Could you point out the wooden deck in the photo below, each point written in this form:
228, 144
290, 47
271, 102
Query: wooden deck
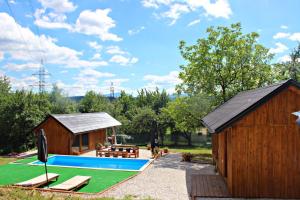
208, 186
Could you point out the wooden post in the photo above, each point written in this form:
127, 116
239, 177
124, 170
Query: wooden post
114, 135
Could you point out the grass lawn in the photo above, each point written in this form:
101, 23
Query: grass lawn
101, 179
4, 161
18, 194
188, 149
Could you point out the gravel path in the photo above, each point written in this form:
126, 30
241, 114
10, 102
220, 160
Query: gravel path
167, 178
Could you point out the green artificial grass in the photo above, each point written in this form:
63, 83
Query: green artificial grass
101, 179
29, 159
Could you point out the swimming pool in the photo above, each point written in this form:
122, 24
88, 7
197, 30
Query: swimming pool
126, 164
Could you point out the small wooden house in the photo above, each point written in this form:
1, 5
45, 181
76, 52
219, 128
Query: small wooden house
256, 141
76, 133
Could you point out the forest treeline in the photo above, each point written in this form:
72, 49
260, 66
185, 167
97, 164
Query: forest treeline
217, 67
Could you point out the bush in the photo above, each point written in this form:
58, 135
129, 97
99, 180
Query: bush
187, 157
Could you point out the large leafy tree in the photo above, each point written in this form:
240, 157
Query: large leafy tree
60, 104
291, 68
23, 112
186, 114
153, 99
224, 63
93, 102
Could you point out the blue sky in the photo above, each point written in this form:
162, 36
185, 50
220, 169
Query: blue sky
86, 45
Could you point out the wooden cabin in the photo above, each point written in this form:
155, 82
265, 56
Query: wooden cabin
76, 133
256, 141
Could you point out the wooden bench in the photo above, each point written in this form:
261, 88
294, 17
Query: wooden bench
134, 152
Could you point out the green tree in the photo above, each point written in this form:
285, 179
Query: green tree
126, 103
22, 113
93, 102
153, 99
144, 123
224, 63
291, 68
60, 104
186, 113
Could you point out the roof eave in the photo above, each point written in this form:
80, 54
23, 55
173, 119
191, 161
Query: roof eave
208, 128
254, 106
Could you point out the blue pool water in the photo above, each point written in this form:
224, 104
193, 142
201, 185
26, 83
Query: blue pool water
92, 162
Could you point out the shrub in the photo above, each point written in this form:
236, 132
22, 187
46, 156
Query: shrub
187, 157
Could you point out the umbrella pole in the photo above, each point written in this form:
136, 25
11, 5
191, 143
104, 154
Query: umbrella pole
46, 174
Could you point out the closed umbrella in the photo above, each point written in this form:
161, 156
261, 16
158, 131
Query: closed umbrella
43, 150
298, 115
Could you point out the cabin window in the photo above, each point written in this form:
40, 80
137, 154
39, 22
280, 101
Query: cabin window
85, 141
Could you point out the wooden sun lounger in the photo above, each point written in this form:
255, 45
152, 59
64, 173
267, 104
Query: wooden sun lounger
72, 183
38, 181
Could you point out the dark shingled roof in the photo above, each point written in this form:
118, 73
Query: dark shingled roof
241, 104
84, 122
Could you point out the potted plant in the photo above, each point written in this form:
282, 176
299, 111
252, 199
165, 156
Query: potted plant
166, 150
187, 157
99, 146
106, 144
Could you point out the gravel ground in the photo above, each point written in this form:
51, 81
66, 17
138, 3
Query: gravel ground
167, 178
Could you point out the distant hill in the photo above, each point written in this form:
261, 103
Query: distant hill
78, 98
117, 95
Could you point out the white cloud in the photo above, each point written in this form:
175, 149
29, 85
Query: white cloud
64, 71
2, 73
136, 31
284, 27
194, 22
175, 12
171, 78
59, 6
285, 58
25, 83
95, 45
89, 22
295, 37
122, 60
51, 20
155, 3
176, 8
1, 55
95, 73
218, 8
116, 82
96, 56
279, 48
22, 67
167, 82
290, 36
87, 82
19, 48
115, 50
96, 23
280, 35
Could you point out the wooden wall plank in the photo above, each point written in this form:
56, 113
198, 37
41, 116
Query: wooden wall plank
263, 150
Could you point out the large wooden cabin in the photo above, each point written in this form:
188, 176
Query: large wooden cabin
76, 133
256, 141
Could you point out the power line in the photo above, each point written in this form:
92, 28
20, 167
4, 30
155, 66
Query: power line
37, 30
19, 29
